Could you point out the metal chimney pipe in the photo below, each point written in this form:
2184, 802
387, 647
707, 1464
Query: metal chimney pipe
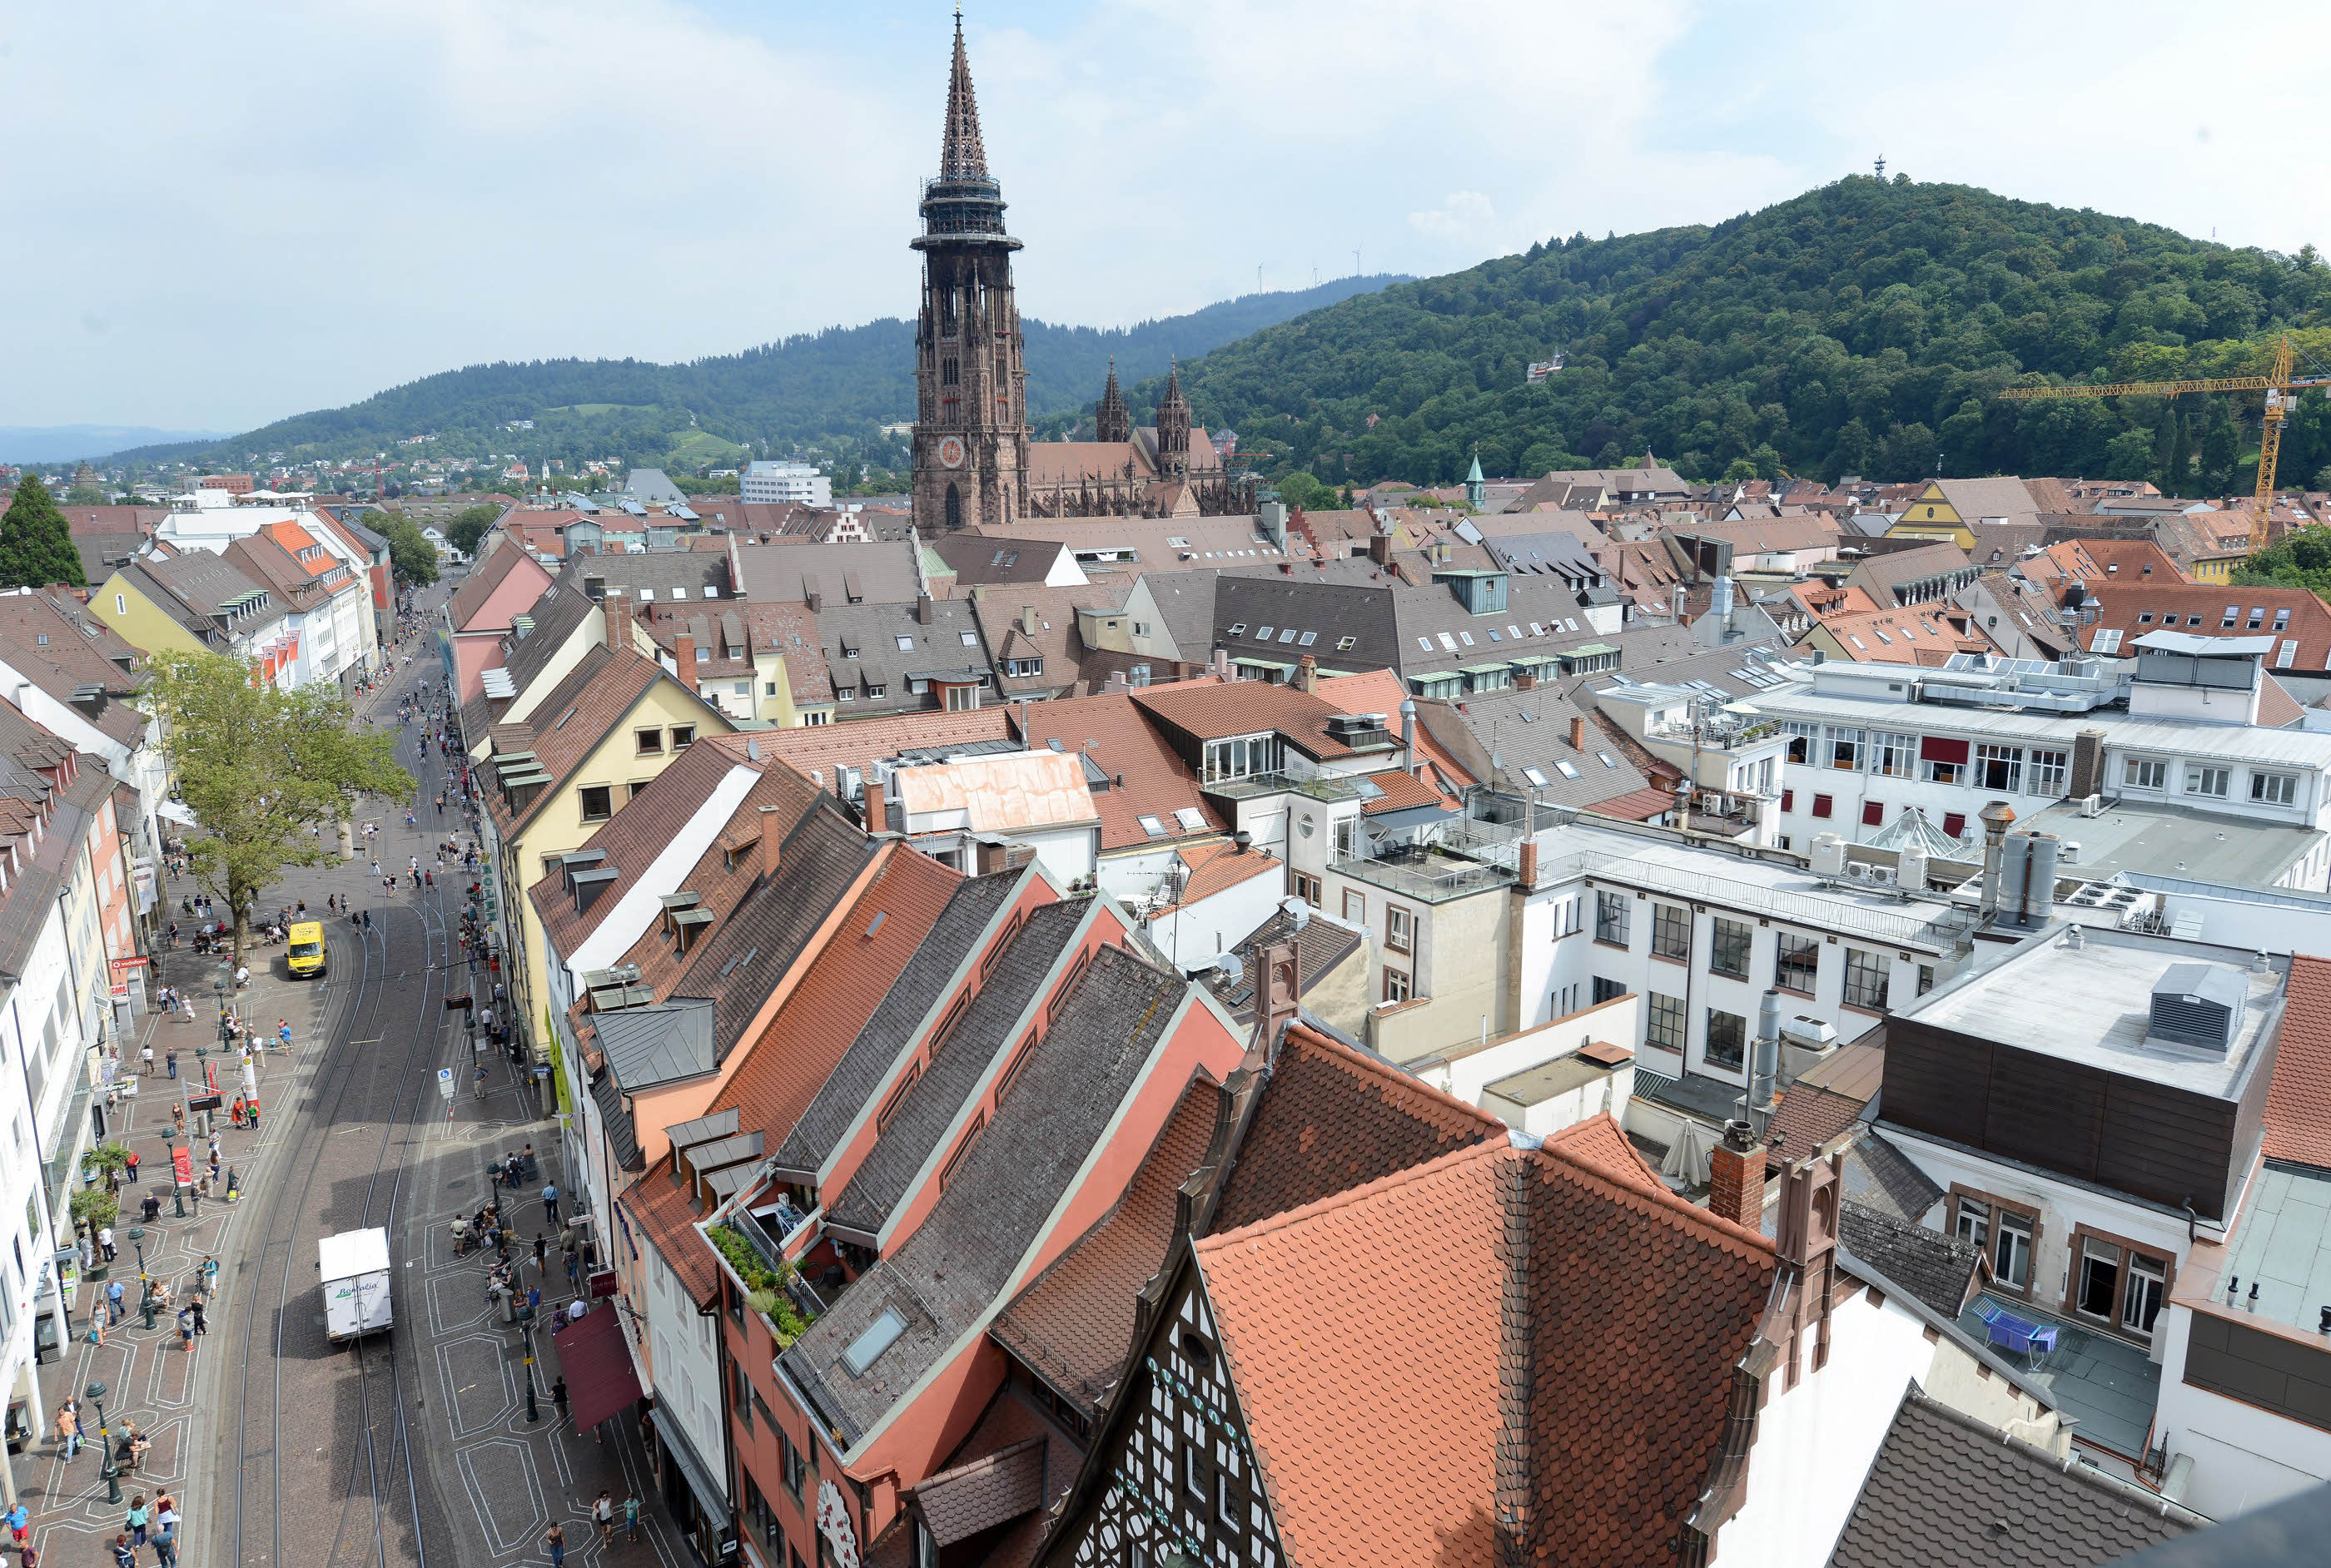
1996, 818
1764, 1061
1408, 735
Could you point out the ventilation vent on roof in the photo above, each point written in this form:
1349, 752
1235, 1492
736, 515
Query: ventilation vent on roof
2199, 1005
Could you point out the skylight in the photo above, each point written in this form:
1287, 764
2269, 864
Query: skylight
1425, 644
906, 644
1288, 634
1190, 817
1238, 629
1608, 760
1152, 826
1308, 639
970, 639
873, 1340
1537, 780
1448, 642
1262, 634
1567, 769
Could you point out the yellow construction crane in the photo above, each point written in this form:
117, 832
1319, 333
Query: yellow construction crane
2281, 389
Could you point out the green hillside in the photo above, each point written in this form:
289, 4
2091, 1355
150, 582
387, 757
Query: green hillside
1857, 328
836, 385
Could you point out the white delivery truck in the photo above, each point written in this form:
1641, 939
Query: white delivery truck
355, 1265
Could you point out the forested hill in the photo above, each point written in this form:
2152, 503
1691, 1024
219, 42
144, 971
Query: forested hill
1857, 328
843, 382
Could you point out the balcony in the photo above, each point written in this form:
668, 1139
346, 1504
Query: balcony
1428, 873
2106, 1386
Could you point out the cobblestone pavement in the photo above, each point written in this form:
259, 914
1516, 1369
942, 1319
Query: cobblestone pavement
413, 1447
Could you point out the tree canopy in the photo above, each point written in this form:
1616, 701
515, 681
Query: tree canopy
36, 545
269, 774
409, 554
468, 525
1862, 328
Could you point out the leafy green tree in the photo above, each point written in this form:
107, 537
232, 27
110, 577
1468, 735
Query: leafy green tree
1303, 489
2221, 445
2164, 444
87, 496
269, 774
1738, 470
411, 556
2181, 456
36, 547
468, 525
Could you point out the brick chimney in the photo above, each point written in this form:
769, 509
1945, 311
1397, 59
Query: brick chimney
683, 658
1307, 673
878, 817
923, 609
618, 607
1380, 548
1735, 1176
773, 835
1525, 680
1526, 863
1577, 733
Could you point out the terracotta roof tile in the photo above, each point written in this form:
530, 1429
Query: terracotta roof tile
1215, 867
665, 1210
1073, 1323
1218, 710
2136, 608
818, 749
977, 1496
1009, 1421
1329, 1118
1401, 791
1810, 1115
787, 1065
2299, 1098
1110, 730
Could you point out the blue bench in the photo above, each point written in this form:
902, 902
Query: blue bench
2012, 1333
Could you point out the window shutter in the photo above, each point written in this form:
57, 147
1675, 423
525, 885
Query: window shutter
1821, 804
1873, 814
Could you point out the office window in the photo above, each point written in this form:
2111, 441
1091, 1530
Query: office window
1395, 985
2099, 1282
1671, 931
1999, 768
2144, 773
1728, 1038
2011, 1252
2274, 789
1606, 989
1974, 1225
2207, 781
2047, 773
1663, 1020
1893, 754
650, 741
1798, 963
1242, 757
1866, 974
1844, 748
1611, 917
1400, 929
1802, 737
1728, 948
598, 802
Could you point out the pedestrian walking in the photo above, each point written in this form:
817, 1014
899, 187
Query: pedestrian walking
553, 1540
105, 1240
68, 1432
135, 1520
130, 1162
139, 1443
603, 1511
632, 1518
186, 1329
145, 1060
113, 1299
170, 1059
550, 1201
20, 1526
178, 1118
124, 1555
558, 1397
196, 1307
166, 1549
574, 1271
283, 1033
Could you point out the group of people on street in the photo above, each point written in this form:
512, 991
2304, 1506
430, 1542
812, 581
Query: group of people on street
154, 1525
604, 1510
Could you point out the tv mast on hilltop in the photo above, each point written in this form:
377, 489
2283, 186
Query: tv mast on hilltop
1881, 165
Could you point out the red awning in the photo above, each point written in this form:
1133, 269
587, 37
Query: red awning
596, 1362
1935, 749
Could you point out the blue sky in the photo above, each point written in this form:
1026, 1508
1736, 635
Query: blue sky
248, 208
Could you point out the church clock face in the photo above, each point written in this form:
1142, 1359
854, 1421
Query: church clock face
951, 451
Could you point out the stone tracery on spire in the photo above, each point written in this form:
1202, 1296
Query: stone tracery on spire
962, 155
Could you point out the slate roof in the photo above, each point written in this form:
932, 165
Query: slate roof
1330, 1118
1939, 1270
1881, 1176
1321, 946
664, 1043
1532, 730
891, 1027
887, 1174
785, 1067
861, 643
947, 1275
1630, 1297
1947, 1491
840, 574
1074, 1322
615, 1116
1185, 605
2299, 1097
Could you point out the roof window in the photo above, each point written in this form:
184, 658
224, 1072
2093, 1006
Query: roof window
1153, 826
873, 1340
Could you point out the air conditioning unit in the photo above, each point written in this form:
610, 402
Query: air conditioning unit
1878, 876
1828, 858
1858, 871
2092, 805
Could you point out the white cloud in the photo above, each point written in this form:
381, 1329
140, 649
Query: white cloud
246, 208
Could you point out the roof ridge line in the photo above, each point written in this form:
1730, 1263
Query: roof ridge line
1351, 1196
1660, 1199
1398, 1077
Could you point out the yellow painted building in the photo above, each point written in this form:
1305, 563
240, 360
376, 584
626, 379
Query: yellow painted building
1933, 517
612, 724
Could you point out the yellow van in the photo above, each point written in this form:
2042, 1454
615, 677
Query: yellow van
307, 957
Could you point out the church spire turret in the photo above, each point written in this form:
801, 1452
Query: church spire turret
1112, 421
1174, 425
962, 156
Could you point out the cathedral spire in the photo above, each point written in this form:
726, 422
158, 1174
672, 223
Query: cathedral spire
962, 155
1113, 421
1173, 424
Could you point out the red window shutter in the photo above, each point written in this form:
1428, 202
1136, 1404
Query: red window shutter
1935, 749
1954, 824
1821, 804
1788, 800
1873, 815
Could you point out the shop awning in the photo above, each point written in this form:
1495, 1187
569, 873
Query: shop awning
175, 811
596, 1362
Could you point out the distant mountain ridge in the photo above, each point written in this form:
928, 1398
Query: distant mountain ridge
843, 382
1861, 328
25, 443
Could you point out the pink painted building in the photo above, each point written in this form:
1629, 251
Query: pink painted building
479, 615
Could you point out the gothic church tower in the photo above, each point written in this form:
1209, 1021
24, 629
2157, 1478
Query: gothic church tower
971, 388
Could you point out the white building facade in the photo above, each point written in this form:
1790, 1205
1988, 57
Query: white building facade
786, 483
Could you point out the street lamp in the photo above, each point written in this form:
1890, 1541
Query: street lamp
526, 1329
108, 1471
170, 1156
145, 1285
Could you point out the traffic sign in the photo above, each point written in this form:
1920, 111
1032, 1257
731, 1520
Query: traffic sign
445, 1082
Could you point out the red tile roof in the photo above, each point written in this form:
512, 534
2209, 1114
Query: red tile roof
1215, 867
1073, 1323
1636, 805
819, 748
665, 1210
1401, 791
1211, 710
1638, 1305
2299, 1098
1110, 730
1330, 1118
2135, 609
839, 991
